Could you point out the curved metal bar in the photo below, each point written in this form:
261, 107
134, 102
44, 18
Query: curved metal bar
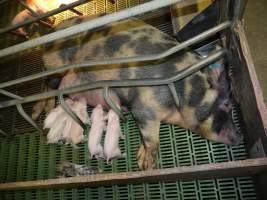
10, 94
28, 118
3, 132
152, 57
111, 103
70, 112
121, 83
174, 95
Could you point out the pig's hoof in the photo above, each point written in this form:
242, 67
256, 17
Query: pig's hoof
145, 158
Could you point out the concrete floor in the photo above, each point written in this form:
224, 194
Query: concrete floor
256, 32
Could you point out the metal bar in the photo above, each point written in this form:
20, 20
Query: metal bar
240, 168
73, 10
122, 83
9, 94
174, 95
42, 16
3, 132
70, 112
28, 118
28, 8
113, 106
44, 23
85, 26
152, 57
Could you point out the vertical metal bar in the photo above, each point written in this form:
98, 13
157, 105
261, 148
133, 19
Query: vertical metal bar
70, 112
28, 118
111, 103
174, 95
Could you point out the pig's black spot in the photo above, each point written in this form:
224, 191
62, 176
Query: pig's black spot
197, 92
142, 113
114, 43
220, 119
53, 81
163, 96
136, 31
68, 49
122, 97
202, 112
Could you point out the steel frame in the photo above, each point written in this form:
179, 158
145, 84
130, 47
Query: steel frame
89, 25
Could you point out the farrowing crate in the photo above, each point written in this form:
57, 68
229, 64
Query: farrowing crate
25, 156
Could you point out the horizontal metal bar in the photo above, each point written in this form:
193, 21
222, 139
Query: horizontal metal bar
152, 57
30, 21
231, 169
94, 23
121, 83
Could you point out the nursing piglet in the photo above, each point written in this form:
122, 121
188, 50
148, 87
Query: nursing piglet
96, 131
113, 134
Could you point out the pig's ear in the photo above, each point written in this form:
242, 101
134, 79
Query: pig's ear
212, 82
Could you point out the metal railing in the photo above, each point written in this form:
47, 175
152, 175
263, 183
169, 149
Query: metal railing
105, 85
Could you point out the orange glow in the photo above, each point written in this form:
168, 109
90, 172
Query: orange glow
43, 6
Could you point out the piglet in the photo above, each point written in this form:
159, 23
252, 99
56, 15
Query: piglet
96, 131
113, 133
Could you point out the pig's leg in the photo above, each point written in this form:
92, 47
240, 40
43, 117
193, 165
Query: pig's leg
147, 152
149, 125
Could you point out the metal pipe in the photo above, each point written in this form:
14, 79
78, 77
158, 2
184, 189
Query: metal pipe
113, 106
85, 26
152, 57
73, 10
27, 117
42, 16
174, 95
121, 83
28, 8
9, 94
70, 112
3, 132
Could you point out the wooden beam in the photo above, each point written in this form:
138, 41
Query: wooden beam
217, 170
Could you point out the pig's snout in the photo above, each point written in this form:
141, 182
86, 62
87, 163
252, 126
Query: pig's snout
230, 136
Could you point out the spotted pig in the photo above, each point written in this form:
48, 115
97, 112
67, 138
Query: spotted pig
205, 100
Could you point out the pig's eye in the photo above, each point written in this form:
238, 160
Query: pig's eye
227, 106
